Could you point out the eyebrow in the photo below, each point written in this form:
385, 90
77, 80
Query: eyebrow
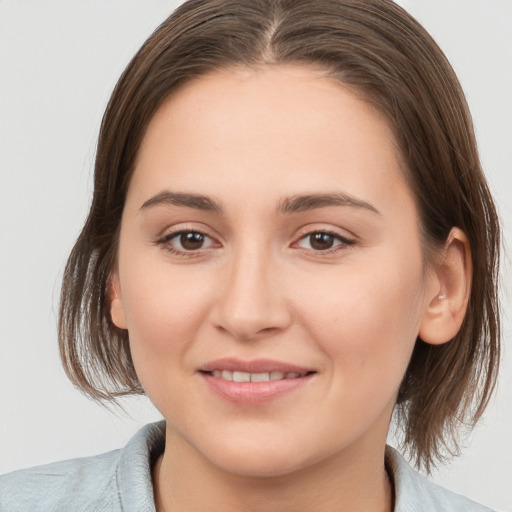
301, 203
287, 205
197, 201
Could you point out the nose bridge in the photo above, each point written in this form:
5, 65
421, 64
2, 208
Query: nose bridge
252, 302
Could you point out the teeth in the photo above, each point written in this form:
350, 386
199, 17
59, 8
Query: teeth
260, 377
254, 377
241, 377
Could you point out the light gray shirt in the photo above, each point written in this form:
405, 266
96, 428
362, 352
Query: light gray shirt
120, 481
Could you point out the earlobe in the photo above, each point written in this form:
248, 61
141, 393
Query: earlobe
117, 313
448, 303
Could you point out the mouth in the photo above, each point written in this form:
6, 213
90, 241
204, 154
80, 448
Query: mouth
253, 382
257, 370
240, 376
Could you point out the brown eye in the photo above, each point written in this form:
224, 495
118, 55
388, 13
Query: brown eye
191, 240
186, 242
321, 241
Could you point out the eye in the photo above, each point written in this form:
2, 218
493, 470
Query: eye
187, 241
323, 241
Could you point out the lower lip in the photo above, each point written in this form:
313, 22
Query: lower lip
253, 393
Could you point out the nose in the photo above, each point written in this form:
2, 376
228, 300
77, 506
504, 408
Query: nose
251, 303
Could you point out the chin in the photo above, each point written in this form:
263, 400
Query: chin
259, 460
258, 466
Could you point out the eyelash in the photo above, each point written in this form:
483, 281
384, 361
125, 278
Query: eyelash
164, 241
184, 253
343, 244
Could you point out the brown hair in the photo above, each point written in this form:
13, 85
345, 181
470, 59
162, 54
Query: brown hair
375, 48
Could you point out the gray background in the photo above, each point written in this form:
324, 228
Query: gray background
59, 61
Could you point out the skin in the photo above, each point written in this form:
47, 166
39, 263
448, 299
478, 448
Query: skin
259, 288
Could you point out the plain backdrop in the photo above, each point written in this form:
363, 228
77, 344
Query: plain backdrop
59, 60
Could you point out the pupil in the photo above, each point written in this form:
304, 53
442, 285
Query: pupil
191, 240
321, 241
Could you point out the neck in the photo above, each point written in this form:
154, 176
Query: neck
184, 480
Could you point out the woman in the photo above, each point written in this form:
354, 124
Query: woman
290, 239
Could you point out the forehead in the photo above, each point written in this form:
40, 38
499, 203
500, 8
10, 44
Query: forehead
268, 129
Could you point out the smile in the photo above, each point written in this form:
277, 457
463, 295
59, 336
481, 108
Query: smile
238, 376
255, 382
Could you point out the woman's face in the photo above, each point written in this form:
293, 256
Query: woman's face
269, 237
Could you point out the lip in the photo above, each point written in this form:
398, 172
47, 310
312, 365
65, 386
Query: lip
253, 393
253, 366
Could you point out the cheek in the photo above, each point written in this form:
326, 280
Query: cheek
366, 317
164, 308
164, 312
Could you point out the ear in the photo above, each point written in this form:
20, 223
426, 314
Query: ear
117, 313
451, 291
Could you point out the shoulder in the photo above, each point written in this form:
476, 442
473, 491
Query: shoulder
69, 484
100, 483
415, 493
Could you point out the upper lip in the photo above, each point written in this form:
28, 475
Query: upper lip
253, 366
